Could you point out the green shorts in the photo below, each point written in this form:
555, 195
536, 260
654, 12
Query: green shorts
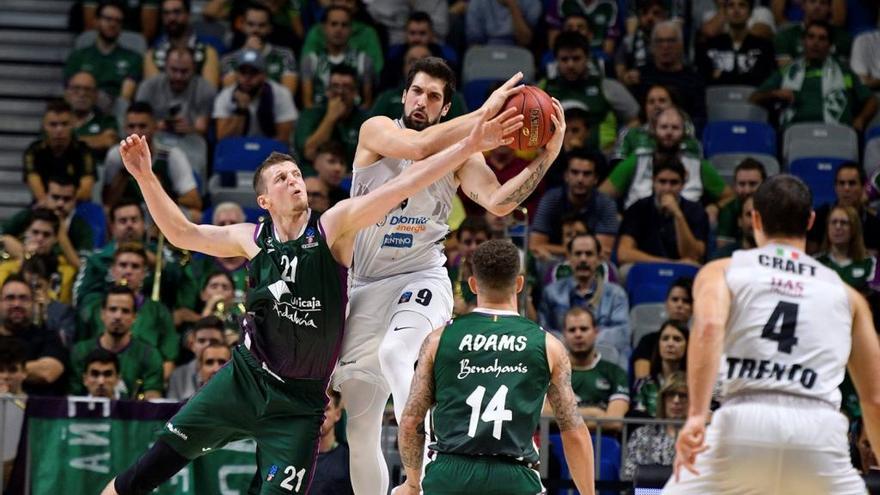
450, 474
245, 401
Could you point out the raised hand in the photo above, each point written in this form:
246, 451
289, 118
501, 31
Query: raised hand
555, 144
136, 157
490, 134
496, 100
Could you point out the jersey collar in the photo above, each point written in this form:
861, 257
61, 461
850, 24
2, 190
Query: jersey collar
499, 312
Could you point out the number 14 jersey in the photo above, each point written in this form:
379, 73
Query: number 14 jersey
790, 325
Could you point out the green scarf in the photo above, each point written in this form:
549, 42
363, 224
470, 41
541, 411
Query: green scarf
833, 89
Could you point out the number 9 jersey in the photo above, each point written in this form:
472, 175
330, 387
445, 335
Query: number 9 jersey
790, 325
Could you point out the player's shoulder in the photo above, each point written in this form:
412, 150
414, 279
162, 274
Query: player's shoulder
377, 123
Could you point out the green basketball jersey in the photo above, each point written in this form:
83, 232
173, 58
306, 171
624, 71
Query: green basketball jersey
490, 377
296, 304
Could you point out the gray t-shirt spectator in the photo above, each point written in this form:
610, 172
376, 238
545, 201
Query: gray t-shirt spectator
184, 381
282, 106
194, 102
599, 214
488, 22
179, 170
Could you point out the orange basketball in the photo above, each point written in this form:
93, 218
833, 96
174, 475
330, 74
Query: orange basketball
536, 107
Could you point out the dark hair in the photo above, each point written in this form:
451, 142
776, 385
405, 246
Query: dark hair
571, 217
61, 180
218, 273
335, 397
437, 68
334, 148
15, 278
186, 5
668, 161
110, 3
674, 97
597, 159
581, 15
571, 40
784, 203
474, 224
656, 362
576, 113
140, 107
101, 355
685, 283
13, 353
41, 265
750, 2
853, 166
819, 23
123, 204
45, 215
496, 265
273, 159
208, 322
592, 236
331, 8
58, 106
419, 16
259, 7
213, 346
132, 248
645, 5
344, 70
116, 290
579, 310
751, 164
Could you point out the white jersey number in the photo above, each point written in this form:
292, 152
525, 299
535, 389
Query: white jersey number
495, 412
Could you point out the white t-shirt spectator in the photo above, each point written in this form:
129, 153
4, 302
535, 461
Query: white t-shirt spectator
179, 170
865, 57
282, 106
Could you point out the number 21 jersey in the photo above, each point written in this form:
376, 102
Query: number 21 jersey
790, 325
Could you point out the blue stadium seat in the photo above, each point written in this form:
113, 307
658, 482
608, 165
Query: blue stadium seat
94, 215
609, 463
739, 137
244, 154
251, 215
649, 282
475, 92
818, 173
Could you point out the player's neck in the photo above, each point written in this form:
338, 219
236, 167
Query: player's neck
508, 305
289, 226
799, 243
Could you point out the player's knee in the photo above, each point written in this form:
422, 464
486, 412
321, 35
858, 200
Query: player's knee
156, 466
400, 347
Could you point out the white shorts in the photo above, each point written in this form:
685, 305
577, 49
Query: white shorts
371, 307
773, 445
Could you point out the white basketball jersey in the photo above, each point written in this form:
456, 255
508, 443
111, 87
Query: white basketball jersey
410, 237
790, 325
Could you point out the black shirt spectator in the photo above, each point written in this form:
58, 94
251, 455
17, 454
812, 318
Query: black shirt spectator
332, 476
736, 56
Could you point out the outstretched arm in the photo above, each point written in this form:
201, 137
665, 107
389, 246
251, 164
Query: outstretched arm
380, 136
347, 217
864, 366
411, 436
225, 242
481, 185
575, 437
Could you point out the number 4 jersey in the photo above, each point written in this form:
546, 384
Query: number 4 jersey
790, 325
490, 378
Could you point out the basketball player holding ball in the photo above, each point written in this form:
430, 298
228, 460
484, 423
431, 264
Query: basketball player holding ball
398, 287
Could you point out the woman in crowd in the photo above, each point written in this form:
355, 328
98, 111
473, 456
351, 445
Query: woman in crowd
843, 249
669, 357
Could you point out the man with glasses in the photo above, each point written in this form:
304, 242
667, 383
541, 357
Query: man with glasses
98, 130
255, 105
60, 154
849, 181
178, 33
141, 16
101, 377
280, 61
338, 118
116, 68
664, 226
140, 364
577, 195
185, 379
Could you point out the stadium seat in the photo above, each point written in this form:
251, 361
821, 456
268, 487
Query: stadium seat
244, 154
475, 92
235, 187
251, 215
746, 112
495, 62
649, 282
738, 137
725, 163
818, 173
609, 462
94, 215
127, 39
728, 94
872, 150
820, 140
646, 318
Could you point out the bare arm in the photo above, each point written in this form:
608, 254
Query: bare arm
283, 131
538, 241
308, 94
90, 18
128, 89
522, 33
778, 8
864, 366
628, 252
149, 21
102, 141
35, 183
230, 126
411, 437
481, 185
43, 370
689, 247
379, 136
67, 248
150, 68
575, 438
711, 308
211, 67
608, 189
84, 190
860, 123
287, 80
224, 242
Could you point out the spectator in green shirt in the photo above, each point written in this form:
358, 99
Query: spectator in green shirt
789, 42
747, 176
140, 363
817, 87
99, 131
101, 377
843, 249
116, 69
141, 16
640, 140
363, 37
746, 229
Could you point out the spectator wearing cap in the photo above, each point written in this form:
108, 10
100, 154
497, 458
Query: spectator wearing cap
98, 130
179, 33
256, 105
181, 99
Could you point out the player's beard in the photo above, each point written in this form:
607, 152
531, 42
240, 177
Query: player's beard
418, 126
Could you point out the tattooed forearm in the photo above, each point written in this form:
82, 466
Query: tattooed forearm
412, 446
562, 400
474, 197
528, 186
421, 398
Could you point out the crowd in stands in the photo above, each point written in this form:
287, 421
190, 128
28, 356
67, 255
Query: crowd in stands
93, 302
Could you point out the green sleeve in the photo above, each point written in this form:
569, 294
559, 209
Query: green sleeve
88, 317
384, 105
623, 174
93, 277
364, 38
772, 82
153, 373
619, 381
627, 145
77, 367
458, 107
713, 184
782, 42
861, 91
138, 64
188, 290
727, 220
308, 122
169, 341
17, 224
71, 67
81, 235
314, 41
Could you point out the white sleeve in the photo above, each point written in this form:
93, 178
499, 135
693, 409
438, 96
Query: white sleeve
762, 15
222, 105
624, 104
180, 172
112, 164
858, 60
285, 108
